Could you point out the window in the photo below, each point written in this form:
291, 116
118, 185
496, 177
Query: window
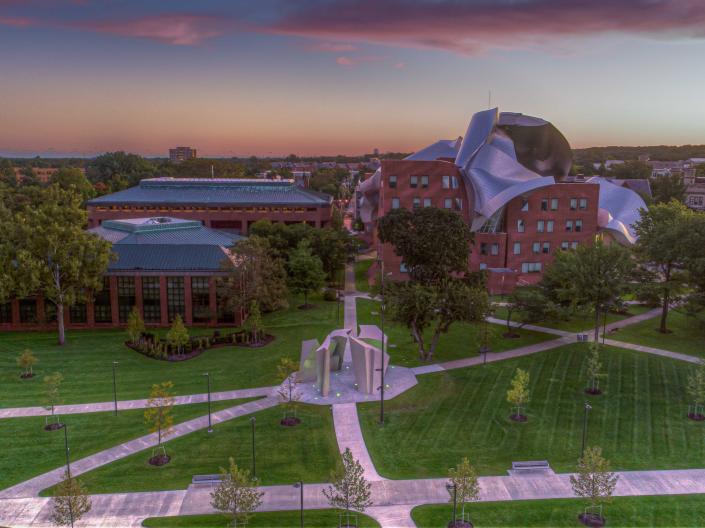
483, 266
549, 226
201, 299
101, 304
536, 247
126, 297
568, 225
392, 182
454, 182
525, 205
554, 204
574, 245
583, 203
395, 203
403, 268
544, 204
417, 203
224, 313
530, 267
446, 182
459, 204
564, 245
546, 247
5, 312
78, 313
28, 310
540, 226
427, 202
573, 204
424, 182
151, 300
517, 248
175, 297
49, 311
448, 203
414, 182
521, 226
495, 249
578, 226
483, 248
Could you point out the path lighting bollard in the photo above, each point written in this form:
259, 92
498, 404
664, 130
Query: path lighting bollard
585, 419
208, 383
300, 485
452, 487
115, 364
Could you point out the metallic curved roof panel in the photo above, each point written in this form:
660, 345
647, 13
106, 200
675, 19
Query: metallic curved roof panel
445, 148
619, 209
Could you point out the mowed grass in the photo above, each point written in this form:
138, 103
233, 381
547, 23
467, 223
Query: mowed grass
284, 455
648, 511
462, 341
361, 269
640, 420
28, 450
581, 321
687, 334
280, 519
86, 360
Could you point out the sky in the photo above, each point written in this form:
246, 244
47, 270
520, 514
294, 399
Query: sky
324, 77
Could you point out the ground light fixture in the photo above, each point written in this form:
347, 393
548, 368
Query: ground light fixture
300, 486
208, 384
451, 487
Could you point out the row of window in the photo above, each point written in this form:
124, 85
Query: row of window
447, 182
448, 203
574, 204
544, 247
547, 226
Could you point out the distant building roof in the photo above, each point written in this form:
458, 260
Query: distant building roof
217, 191
643, 187
161, 257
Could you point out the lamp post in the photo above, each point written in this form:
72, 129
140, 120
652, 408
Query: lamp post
300, 486
253, 420
115, 364
604, 324
68, 467
585, 419
381, 360
208, 384
450, 486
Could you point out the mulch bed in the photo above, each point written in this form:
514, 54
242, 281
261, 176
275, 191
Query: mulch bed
268, 338
511, 335
26, 375
593, 392
264, 341
460, 524
591, 519
290, 421
159, 460
518, 417
697, 417
53, 426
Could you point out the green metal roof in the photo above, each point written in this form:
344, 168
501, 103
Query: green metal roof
160, 257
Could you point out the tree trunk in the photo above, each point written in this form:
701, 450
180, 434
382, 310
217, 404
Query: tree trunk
418, 337
60, 320
434, 344
597, 323
664, 305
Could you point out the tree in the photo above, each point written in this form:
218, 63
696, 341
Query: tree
236, 494
419, 307
57, 256
157, 414
26, 361
594, 368
70, 501
306, 273
666, 234
630, 170
253, 323
433, 243
667, 188
73, 179
286, 375
696, 391
464, 480
518, 394
589, 276
349, 490
52, 396
177, 336
135, 326
528, 305
594, 481
119, 170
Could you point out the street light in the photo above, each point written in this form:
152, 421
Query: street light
585, 419
300, 485
115, 364
254, 464
450, 486
381, 361
208, 382
68, 466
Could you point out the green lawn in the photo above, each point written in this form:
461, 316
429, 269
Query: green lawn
361, 268
86, 361
312, 518
649, 511
308, 451
581, 321
29, 450
639, 421
463, 340
687, 334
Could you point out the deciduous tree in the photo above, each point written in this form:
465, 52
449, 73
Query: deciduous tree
135, 326
70, 502
518, 394
349, 489
593, 480
236, 494
157, 414
253, 323
467, 487
286, 375
177, 336
306, 273
52, 394
696, 390
26, 361
594, 368
667, 188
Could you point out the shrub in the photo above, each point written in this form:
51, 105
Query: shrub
330, 295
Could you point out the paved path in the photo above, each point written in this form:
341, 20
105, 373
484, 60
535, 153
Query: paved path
349, 435
136, 404
32, 487
652, 350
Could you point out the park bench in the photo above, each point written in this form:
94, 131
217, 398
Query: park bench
530, 465
207, 479
582, 338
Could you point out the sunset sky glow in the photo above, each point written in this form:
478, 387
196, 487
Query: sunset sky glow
273, 77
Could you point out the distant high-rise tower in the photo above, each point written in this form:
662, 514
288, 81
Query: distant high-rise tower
182, 153
376, 152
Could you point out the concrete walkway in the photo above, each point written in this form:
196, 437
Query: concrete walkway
349, 435
123, 405
32, 487
652, 350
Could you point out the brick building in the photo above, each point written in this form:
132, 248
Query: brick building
231, 204
179, 154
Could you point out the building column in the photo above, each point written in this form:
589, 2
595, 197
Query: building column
41, 313
139, 303
163, 301
212, 301
114, 307
90, 312
188, 300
